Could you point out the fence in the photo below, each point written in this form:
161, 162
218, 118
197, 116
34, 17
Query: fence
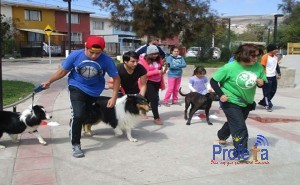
40, 49
293, 49
14, 105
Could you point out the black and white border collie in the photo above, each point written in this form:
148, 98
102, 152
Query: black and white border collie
14, 123
123, 117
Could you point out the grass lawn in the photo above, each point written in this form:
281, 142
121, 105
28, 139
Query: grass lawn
207, 63
14, 91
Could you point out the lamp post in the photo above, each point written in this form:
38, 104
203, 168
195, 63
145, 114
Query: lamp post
275, 26
1, 52
269, 30
229, 24
69, 24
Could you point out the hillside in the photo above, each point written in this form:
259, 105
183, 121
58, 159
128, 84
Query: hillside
239, 23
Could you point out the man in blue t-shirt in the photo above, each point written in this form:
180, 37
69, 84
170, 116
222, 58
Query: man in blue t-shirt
86, 69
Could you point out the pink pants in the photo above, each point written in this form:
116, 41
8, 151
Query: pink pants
173, 88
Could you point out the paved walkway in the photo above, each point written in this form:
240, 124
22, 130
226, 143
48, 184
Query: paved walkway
170, 154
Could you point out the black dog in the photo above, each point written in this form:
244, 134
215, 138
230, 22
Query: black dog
198, 101
15, 123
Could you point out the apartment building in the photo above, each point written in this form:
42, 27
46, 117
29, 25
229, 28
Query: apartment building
29, 22
119, 39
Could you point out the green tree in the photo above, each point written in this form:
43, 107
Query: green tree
5, 27
163, 18
287, 6
289, 31
6, 36
254, 33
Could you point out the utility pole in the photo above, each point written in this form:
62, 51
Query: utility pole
229, 25
1, 52
228, 36
269, 29
275, 27
69, 24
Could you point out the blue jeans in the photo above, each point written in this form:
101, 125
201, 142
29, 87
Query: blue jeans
269, 90
81, 104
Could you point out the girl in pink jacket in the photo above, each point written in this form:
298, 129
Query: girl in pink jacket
155, 71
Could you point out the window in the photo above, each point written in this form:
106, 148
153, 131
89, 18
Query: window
74, 18
32, 15
76, 38
35, 37
98, 25
124, 28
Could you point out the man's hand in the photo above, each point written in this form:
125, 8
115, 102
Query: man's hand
278, 77
46, 84
111, 103
259, 82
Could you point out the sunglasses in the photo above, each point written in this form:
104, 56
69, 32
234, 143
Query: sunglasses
254, 55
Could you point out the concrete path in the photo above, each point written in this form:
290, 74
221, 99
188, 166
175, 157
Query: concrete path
170, 154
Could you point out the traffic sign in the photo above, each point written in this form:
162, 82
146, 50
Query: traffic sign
48, 30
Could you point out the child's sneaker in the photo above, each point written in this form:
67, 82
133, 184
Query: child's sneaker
158, 121
269, 109
165, 104
263, 104
77, 152
223, 143
176, 103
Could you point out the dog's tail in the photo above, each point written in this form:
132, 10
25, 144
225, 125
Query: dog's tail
181, 92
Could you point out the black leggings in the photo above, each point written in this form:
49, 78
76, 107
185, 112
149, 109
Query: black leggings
153, 97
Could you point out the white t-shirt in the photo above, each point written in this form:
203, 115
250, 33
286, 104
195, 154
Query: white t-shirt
271, 66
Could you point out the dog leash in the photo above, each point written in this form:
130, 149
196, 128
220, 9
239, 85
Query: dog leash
32, 100
36, 90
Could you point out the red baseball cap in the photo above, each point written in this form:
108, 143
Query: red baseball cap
95, 43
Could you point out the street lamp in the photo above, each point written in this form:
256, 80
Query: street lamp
1, 52
229, 24
275, 26
69, 25
269, 30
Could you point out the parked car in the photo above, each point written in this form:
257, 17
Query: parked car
216, 53
55, 49
193, 52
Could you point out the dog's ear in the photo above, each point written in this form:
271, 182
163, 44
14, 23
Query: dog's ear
214, 96
37, 108
140, 98
217, 97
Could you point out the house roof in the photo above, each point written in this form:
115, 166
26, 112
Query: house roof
48, 7
39, 31
100, 17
